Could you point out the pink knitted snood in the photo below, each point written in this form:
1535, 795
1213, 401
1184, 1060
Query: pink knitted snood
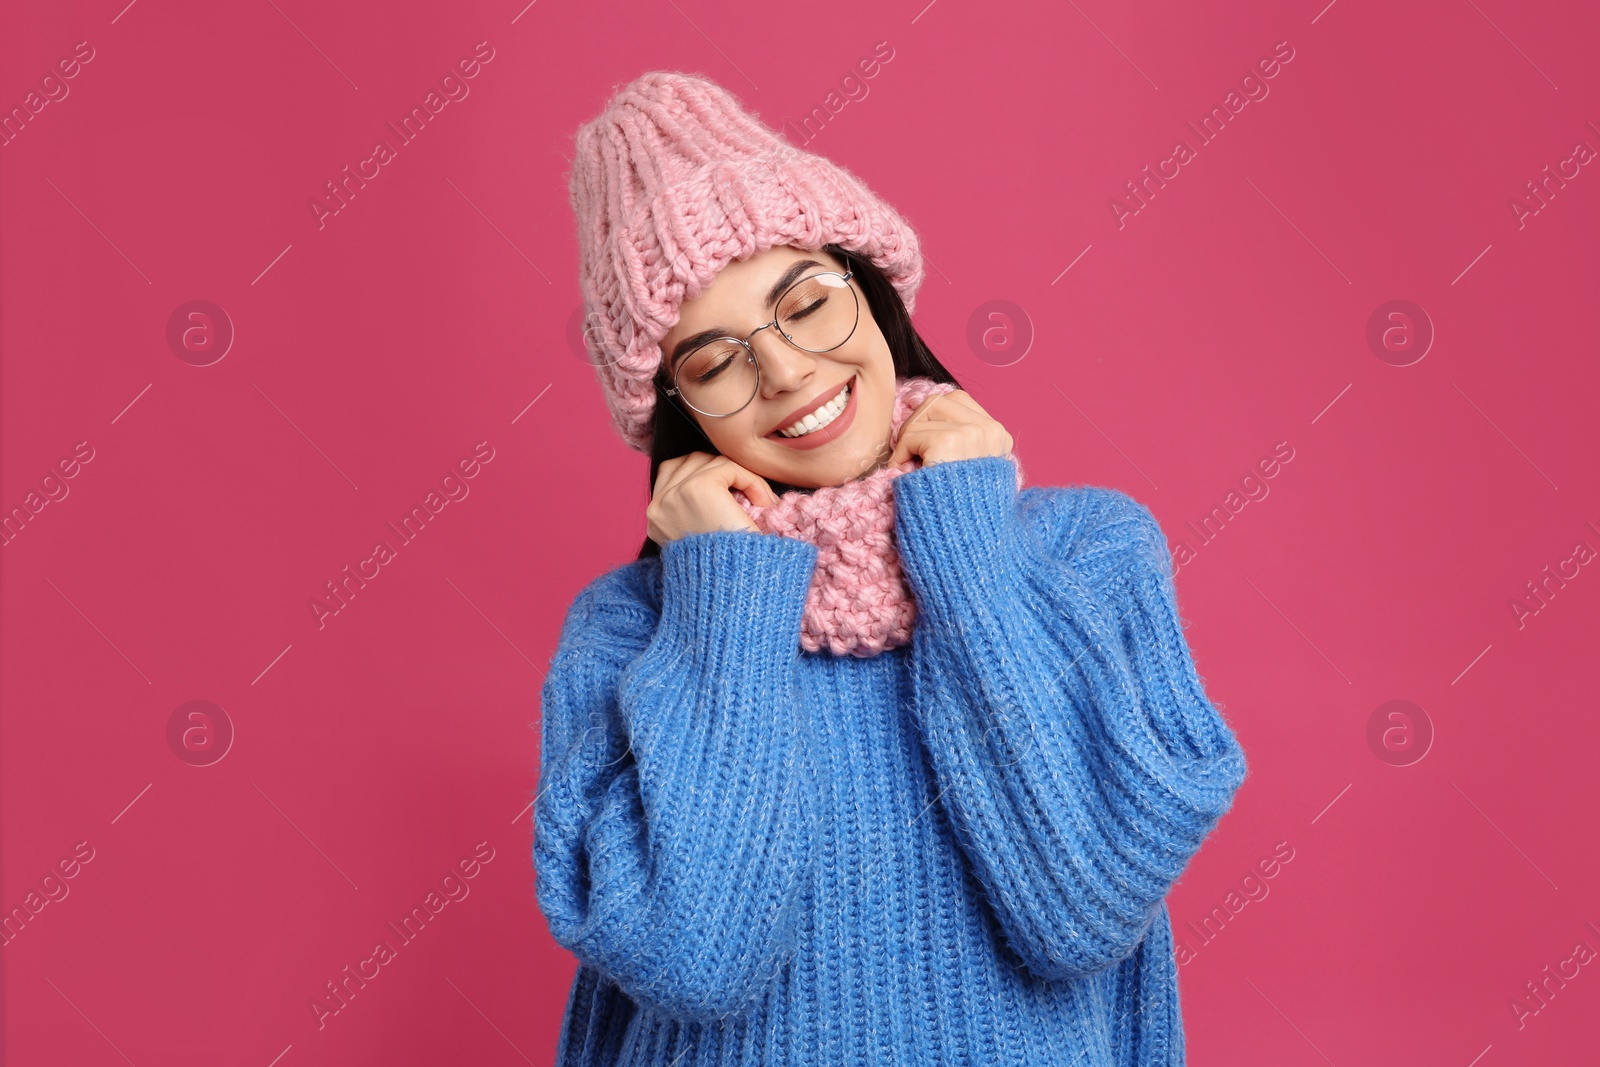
859, 602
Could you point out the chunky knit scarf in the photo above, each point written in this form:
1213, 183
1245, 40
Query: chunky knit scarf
859, 602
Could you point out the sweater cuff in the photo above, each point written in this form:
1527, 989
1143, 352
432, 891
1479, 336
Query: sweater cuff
731, 596
957, 528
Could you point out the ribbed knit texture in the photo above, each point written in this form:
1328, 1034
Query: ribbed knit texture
671, 182
955, 852
859, 603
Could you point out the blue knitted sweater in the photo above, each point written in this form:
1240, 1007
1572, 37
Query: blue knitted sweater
953, 852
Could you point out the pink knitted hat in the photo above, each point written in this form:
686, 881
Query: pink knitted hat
673, 181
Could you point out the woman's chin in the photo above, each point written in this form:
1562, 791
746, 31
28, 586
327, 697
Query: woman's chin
836, 470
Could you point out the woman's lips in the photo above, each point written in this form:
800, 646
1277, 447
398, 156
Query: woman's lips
830, 431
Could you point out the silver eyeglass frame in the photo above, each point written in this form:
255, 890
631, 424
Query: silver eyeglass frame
750, 353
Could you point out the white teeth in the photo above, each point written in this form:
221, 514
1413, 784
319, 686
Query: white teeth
820, 417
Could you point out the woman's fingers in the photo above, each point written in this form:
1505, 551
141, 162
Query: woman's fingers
937, 412
961, 399
923, 410
695, 495
751, 485
954, 406
674, 470
913, 440
949, 426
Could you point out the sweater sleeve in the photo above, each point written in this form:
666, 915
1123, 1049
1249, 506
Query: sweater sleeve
1077, 754
674, 819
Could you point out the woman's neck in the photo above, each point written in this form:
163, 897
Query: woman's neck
884, 452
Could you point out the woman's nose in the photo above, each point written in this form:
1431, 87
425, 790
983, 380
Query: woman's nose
783, 366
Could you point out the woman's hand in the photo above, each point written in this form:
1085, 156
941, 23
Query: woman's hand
949, 426
692, 495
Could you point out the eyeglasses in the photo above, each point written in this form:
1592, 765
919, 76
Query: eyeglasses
818, 313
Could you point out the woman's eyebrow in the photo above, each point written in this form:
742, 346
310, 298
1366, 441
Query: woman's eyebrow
788, 278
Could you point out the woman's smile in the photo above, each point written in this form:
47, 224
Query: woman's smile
820, 421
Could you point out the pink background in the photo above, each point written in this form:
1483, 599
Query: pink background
1169, 355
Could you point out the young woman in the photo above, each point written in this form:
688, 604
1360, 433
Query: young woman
871, 757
